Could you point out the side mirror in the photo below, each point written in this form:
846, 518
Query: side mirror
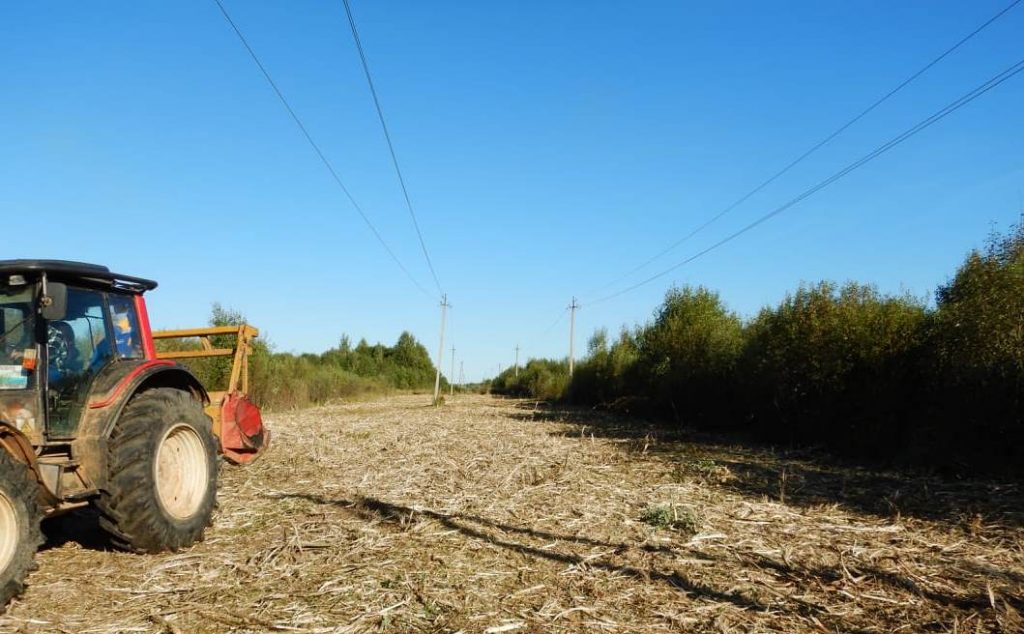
54, 305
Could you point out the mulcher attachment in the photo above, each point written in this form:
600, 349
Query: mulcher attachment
243, 438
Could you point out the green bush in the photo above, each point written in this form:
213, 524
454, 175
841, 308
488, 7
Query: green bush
973, 383
608, 373
681, 365
688, 356
541, 379
834, 365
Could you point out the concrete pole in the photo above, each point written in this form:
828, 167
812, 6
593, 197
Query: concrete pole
440, 350
451, 376
572, 335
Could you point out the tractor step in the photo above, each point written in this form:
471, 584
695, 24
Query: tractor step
64, 479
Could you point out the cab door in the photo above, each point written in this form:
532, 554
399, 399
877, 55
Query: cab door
77, 348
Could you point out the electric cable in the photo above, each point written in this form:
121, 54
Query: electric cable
885, 147
391, 146
561, 316
316, 148
814, 148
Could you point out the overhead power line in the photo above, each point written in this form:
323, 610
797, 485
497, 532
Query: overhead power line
316, 148
391, 146
814, 148
561, 315
530, 340
885, 147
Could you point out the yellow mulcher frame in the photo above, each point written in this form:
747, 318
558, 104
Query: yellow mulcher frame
239, 379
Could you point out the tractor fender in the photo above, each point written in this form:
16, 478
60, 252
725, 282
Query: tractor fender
110, 396
145, 376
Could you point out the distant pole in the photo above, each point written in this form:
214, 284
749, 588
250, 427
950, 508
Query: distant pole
451, 376
517, 360
462, 373
499, 368
440, 349
572, 335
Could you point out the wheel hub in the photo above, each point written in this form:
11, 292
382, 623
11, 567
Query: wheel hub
181, 472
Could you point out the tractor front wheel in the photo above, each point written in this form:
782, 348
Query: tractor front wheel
20, 536
162, 473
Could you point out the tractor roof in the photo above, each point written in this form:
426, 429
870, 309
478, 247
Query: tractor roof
66, 270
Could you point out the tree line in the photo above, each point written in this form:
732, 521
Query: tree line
282, 380
889, 378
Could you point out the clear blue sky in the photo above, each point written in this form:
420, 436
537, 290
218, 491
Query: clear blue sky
548, 147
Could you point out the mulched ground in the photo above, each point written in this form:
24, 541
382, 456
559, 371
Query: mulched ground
492, 515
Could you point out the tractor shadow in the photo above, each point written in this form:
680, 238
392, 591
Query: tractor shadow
80, 527
801, 478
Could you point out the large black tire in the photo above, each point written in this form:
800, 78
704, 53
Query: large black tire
161, 473
20, 536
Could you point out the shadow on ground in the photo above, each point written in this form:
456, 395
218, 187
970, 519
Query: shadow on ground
802, 478
723, 588
470, 526
81, 527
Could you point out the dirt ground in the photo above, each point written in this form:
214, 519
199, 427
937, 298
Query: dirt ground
492, 516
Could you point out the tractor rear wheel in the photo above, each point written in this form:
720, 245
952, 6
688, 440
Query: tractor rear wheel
162, 473
20, 536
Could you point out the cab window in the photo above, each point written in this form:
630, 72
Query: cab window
127, 342
78, 343
17, 337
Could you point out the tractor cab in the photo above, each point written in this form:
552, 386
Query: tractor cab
65, 327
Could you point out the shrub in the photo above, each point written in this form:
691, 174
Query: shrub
688, 356
542, 379
974, 379
834, 365
681, 365
608, 372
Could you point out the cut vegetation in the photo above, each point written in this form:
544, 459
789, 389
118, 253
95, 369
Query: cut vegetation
494, 515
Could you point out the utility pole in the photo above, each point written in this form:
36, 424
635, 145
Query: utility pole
572, 335
462, 373
440, 349
499, 369
517, 359
451, 377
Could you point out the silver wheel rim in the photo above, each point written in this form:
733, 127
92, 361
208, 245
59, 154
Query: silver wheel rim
9, 532
181, 472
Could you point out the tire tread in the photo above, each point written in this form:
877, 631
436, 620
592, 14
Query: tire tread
129, 511
22, 488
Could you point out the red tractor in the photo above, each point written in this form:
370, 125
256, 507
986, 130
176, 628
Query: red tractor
92, 415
